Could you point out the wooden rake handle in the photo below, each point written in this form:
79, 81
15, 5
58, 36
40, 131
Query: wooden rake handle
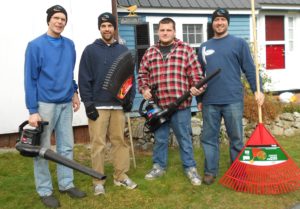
255, 56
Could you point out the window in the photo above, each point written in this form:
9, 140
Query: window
142, 41
155, 32
192, 34
291, 33
275, 42
274, 28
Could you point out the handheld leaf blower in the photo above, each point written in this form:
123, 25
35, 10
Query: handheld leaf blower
155, 116
28, 145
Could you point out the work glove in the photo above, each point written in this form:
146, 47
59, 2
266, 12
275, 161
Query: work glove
91, 112
127, 107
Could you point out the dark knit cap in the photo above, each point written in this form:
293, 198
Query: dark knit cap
106, 17
221, 12
55, 9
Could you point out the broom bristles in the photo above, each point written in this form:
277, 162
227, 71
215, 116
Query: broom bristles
273, 179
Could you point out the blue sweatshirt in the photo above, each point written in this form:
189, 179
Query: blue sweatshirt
49, 66
94, 65
232, 55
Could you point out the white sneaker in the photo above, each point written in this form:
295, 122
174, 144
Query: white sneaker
193, 175
127, 183
155, 172
99, 189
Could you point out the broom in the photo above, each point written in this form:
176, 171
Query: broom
263, 166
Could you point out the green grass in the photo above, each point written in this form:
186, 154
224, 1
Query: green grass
172, 191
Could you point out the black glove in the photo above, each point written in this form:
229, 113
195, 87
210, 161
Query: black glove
91, 112
127, 107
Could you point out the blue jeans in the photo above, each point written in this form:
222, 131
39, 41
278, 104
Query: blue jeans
181, 124
60, 118
212, 115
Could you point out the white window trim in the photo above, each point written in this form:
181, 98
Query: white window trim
179, 22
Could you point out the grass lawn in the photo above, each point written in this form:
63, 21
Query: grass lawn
172, 191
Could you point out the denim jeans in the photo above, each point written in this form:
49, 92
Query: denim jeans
181, 124
60, 118
212, 115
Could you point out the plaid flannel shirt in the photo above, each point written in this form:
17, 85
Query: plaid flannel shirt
173, 76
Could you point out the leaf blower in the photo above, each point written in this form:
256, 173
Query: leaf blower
28, 145
155, 116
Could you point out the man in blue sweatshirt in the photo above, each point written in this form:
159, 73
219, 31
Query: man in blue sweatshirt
105, 112
223, 97
51, 95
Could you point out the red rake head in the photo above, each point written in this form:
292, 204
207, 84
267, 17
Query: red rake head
272, 179
257, 173
261, 136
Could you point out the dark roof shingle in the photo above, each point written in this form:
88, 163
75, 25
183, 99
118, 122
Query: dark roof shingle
204, 4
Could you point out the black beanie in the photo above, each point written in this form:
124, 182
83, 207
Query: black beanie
220, 12
55, 9
106, 17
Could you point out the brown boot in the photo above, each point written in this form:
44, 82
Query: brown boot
209, 179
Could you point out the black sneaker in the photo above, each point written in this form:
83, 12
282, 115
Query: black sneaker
50, 201
74, 192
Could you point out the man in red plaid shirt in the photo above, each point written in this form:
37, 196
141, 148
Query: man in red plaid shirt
172, 66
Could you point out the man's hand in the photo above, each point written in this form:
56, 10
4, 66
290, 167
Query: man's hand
199, 106
34, 119
147, 94
76, 102
196, 92
260, 98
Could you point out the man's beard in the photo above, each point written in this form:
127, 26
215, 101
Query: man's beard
220, 34
107, 38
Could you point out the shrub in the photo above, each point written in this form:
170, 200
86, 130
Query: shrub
291, 107
270, 110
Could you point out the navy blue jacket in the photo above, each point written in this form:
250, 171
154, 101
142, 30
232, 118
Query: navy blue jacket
233, 56
94, 65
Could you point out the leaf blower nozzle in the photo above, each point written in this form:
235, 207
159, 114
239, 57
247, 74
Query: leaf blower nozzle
28, 145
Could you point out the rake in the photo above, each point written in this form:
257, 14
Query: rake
263, 166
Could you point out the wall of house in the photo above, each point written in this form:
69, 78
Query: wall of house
22, 21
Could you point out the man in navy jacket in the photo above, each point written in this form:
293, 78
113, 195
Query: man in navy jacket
105, 112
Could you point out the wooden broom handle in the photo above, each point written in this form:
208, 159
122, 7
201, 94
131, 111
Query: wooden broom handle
255, 57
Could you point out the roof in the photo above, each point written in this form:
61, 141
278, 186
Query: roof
205, 4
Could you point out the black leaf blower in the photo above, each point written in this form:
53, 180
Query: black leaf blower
155, 116
28, 145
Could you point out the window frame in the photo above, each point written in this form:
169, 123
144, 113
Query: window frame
179, 24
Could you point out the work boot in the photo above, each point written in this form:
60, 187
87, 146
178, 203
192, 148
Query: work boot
74, 192
209, 179
50, 201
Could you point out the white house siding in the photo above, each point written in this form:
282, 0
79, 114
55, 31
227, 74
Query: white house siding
22, 21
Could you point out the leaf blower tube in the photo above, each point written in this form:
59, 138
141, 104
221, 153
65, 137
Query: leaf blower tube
30, 148
155, 117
